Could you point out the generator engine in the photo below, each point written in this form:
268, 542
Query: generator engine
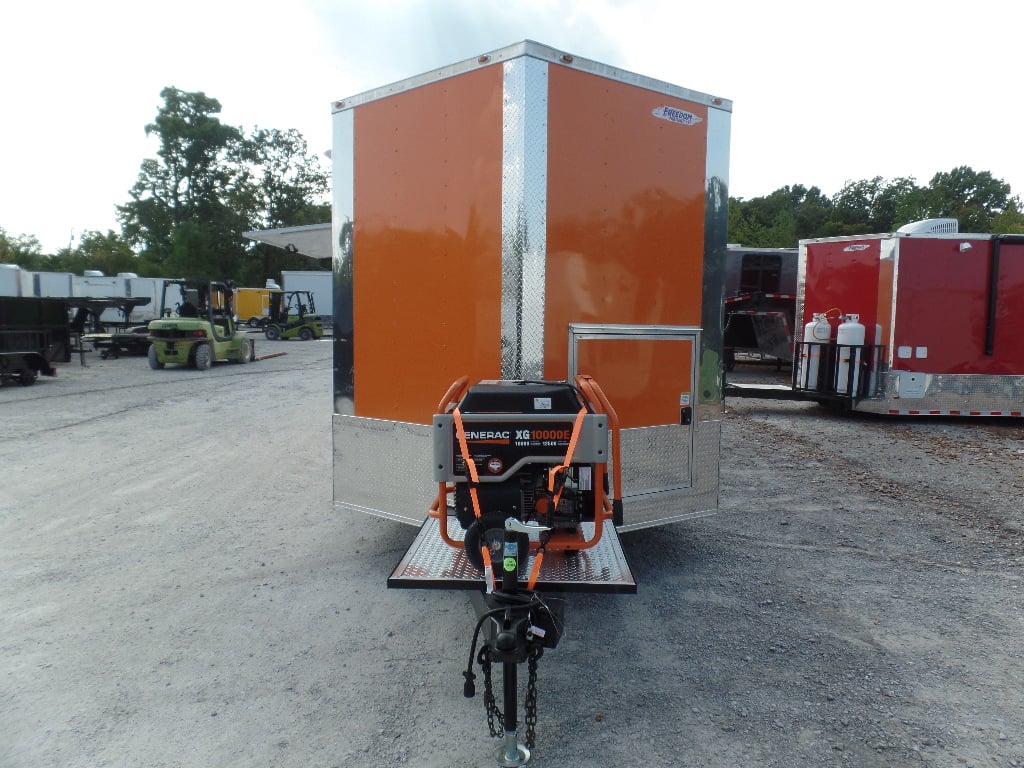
535, 451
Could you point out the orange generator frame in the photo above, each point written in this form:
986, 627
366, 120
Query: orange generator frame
529, 215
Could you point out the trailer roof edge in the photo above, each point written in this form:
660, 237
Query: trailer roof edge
538, 51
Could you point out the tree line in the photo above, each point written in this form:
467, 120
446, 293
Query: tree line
977, 200
190, 205
210, 182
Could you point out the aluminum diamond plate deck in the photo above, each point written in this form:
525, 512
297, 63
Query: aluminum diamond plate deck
429, 563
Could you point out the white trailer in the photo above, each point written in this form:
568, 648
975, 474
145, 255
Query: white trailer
55, 285
10, 280
95, 285
318, 282
146, 288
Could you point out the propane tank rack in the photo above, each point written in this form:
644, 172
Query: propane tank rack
842, 373
826, 372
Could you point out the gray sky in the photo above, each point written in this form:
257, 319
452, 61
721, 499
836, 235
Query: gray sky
822, 92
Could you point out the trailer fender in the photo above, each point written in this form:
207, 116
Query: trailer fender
34, 361
24, 366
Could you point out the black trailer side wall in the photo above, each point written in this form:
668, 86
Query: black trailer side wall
35, 325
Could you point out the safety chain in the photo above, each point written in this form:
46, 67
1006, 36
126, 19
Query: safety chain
530, 716
495, 719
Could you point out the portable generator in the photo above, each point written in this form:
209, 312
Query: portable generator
537, 452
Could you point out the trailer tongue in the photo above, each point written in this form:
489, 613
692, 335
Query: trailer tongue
522, 504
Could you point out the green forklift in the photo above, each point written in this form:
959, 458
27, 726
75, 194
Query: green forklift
293, 315
197, 327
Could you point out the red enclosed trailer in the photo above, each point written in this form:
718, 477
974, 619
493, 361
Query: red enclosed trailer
921, 321
940, 311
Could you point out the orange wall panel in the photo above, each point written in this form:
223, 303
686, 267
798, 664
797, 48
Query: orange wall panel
427, 244
625, 226
644, 379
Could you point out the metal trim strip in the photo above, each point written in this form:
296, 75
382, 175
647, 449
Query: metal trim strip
523, 219
543, 53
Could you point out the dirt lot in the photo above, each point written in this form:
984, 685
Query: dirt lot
176, 590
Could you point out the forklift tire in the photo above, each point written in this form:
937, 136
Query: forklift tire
272, 332
305, 334
154, 359
245, 354
204, 356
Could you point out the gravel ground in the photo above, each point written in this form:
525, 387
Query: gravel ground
177, 590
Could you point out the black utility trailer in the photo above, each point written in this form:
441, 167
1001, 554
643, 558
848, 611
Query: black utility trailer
34, 334
112, 340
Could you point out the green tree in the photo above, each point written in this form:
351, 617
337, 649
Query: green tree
974, 199
190, 182
778, 220
281, 186
209, 184
874, 205
896, 202
105, 252
811, 210
23, 250
1010, 221
281, 183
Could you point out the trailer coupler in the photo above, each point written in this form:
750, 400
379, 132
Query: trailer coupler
517, 625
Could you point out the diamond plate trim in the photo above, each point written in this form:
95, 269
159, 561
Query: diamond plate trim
962, 394
523, 218
362, 447
430, 563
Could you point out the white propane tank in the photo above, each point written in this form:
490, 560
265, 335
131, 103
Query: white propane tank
816, 332
850, 333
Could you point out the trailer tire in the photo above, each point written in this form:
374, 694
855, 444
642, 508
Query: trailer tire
254, 322
26, 377
154, 358
204, 356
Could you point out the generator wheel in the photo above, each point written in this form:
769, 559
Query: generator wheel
305, 333
272, 332
204, 356
490, 530
154, 358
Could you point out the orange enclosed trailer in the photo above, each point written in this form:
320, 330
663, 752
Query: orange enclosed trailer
529, 215
529, 260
